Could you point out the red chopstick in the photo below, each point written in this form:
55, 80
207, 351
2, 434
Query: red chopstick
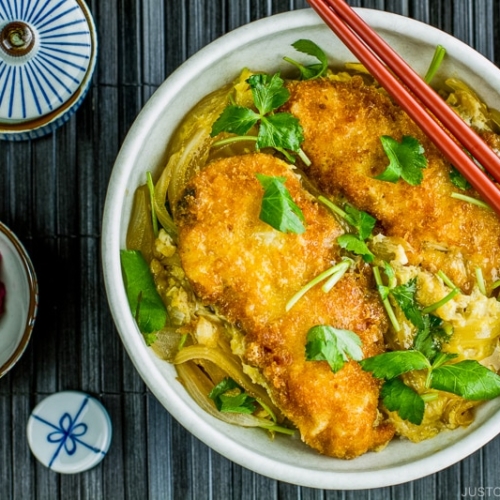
362, 40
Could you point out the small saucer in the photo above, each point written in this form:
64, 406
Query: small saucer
21, 301
69, 432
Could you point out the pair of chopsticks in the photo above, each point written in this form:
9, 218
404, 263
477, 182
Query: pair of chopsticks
442, 125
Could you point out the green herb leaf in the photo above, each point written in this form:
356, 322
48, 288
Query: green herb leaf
278, 208
428, 340
390, 273
468, 379
353, 244
405, 297
458, 180
150, 338
241, 403
397, 396
383, 291
406, 160
280, 131
390, 365
313, 70
229, 397
145, 303
268, 92
362, 221
225, 385
336, 346
235, 119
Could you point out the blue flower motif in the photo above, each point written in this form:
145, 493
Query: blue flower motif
68, 433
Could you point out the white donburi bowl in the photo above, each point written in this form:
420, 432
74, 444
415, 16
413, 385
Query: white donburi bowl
261, 46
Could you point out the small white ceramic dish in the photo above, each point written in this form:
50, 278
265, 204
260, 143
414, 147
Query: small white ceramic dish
69, 432
18, 275
261, 46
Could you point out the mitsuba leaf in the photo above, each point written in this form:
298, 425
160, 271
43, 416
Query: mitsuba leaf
458, 180
428, 340
281, 130
406, 158
390, 273
397, 396
278, 208
362, 221
355, 245
405, 297
145, 303
468, 379
333, 345
268, 92
313, 70
389, 365
240, 403
229, 397
235, 119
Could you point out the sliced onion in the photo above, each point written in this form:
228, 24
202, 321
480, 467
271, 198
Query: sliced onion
160, 196
191, 145
231, 365
199, 386
140, 234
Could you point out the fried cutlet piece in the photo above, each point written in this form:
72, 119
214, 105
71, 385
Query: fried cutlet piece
249, 271
342, 123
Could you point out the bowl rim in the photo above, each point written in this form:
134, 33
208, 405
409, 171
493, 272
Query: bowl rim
31, 278
110, 247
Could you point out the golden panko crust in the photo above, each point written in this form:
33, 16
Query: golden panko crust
342, 123
249, 271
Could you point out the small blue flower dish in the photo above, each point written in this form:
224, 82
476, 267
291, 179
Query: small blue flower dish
69, 432
47, 57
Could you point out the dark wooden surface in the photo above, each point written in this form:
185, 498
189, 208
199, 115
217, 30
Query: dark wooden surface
52, 192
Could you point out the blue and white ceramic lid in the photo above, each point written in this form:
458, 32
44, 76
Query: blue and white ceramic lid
69, 432
47, 57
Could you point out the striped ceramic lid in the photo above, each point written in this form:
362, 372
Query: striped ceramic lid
46, 53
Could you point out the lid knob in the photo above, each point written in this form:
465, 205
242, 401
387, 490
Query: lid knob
16, 39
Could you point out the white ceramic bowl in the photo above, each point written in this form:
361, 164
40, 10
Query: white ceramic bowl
261, 46
18, 275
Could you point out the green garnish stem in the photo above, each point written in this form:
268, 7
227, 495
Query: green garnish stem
442, 302
471, 200
480, 280
231, 140
282, 430
385, 302
182, 341
437, 59
447, 281
267, 410
325, 274
151, 188
304, 157
496, 284
336, 276
429, 396
334, 208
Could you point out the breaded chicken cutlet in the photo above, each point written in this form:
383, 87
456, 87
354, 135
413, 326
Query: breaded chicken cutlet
249, 271
343, 123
